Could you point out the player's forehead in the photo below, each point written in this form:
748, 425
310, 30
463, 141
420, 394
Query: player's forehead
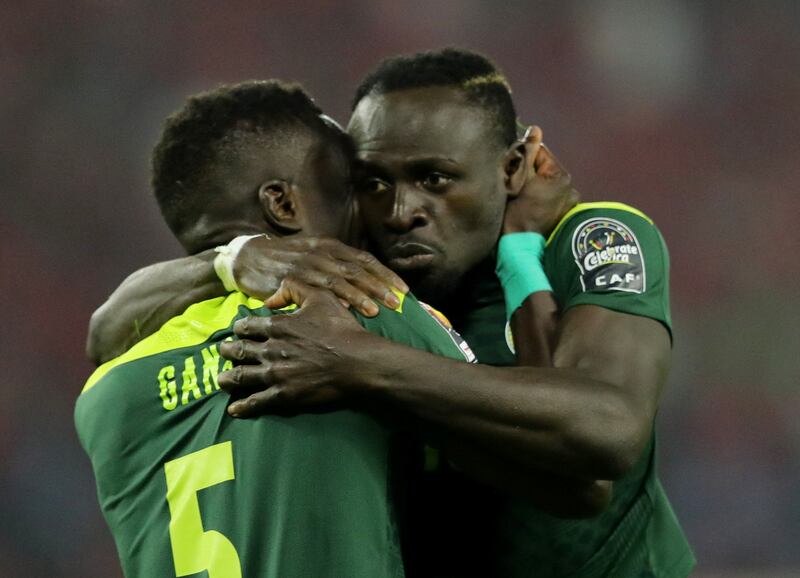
418, 122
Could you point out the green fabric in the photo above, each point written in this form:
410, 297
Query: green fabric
486, 534
565, 274
309, 496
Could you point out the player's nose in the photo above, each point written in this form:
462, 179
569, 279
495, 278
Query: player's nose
408, 210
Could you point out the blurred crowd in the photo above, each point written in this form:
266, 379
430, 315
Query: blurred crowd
689, 110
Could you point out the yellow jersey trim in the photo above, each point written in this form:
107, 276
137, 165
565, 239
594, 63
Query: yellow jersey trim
589, 206
401, 297
193, 327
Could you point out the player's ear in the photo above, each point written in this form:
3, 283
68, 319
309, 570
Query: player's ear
518, 162
278, 203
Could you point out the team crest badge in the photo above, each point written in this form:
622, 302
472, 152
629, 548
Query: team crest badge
460, 342
609, 257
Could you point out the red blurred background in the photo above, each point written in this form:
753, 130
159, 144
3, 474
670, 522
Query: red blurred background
687, 110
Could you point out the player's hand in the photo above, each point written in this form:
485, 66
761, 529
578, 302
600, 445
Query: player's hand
352, 275
547, 194
298, 361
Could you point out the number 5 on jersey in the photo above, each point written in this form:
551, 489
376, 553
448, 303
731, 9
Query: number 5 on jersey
194, 549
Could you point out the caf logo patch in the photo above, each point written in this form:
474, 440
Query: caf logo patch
609, 257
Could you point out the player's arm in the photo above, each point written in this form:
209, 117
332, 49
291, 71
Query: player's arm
146, 300
155, 294
559, 495
299, 342
543, 339
589, 416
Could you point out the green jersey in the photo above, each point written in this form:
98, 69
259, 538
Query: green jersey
189, 491
612, 256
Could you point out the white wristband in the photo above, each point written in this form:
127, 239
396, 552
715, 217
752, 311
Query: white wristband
223, 262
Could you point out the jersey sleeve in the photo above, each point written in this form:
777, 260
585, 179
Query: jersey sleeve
612, 256
420, 326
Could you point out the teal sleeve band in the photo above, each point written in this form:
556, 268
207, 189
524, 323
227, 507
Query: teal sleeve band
519, 268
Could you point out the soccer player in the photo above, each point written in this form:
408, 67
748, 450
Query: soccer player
184, 487
436, 144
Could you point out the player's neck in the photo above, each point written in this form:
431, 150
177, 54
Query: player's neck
477, 286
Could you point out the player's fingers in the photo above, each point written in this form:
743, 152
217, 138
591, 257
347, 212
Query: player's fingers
244, 351
247, 377
535, 135
341, 288
260, 402
532, 141
250, 406
371, 285
341, 268
287, 294
259, 328
293, 290
369, 263
349, 273
548, 165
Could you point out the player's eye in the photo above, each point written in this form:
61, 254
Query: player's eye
436, 181
372, 186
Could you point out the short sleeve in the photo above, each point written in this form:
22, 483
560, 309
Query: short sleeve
612, 256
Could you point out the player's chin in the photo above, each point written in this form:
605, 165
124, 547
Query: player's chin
432, 285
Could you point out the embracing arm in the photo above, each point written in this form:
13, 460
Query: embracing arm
146, 300
589, 417
155, 294
534, 327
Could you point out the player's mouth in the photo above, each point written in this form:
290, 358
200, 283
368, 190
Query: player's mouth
408, 256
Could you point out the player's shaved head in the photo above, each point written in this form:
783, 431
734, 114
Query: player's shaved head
473, 74
217, 150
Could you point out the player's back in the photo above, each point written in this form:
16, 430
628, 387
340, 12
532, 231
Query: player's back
186, 489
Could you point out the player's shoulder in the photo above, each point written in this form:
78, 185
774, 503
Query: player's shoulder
606, 230
411, 311
612, 248
608, 215
195, 326
419, 325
